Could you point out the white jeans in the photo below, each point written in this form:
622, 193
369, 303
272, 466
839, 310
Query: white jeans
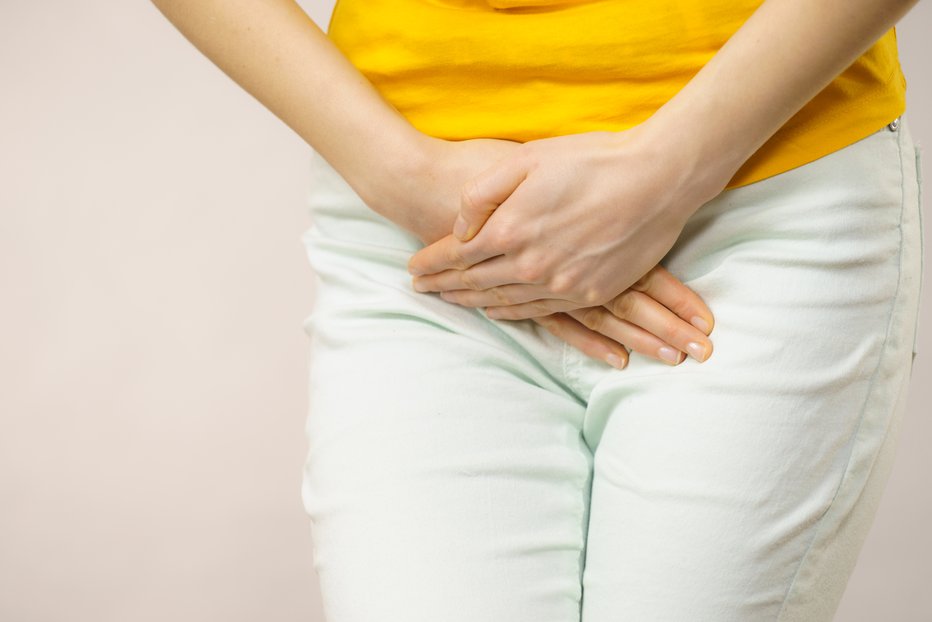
463, 469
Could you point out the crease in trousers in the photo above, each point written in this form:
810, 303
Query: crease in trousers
466, 469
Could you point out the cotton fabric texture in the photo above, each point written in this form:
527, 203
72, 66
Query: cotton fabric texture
462, 468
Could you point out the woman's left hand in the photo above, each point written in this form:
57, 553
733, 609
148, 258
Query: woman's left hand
564, 223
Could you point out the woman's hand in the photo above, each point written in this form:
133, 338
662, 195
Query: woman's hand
566, 222
425, 198
653, 314
658, 316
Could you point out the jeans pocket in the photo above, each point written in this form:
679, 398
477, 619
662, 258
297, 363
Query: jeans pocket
918, 149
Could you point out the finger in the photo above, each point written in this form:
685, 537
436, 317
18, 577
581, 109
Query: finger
532, 309
448, 253
589, 342
602, 321
501, 296
669, 291
643, 311
481, 195
495, 272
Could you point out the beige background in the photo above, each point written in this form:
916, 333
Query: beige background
153, 359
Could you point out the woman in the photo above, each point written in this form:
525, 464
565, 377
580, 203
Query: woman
618, 170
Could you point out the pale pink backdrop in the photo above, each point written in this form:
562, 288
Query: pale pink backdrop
152, 355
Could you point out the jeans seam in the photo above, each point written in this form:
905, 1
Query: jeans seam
568, 373
870, 387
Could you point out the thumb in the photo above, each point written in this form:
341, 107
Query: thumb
481, 195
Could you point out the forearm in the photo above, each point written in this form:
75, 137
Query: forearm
780, 58
282, 58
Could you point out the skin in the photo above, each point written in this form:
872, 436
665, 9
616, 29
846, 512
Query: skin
568, 222
274, 51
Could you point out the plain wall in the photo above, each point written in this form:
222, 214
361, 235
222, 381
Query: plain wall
153, 359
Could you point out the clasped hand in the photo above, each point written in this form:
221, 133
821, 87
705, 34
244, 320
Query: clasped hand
559, 224
546, 226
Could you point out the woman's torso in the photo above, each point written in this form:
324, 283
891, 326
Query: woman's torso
528, 69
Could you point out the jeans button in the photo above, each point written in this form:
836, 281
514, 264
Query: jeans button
894, 124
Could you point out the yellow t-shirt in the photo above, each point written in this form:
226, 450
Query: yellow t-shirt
529, 69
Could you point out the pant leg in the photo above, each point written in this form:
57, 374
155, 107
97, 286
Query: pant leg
446, 478
742, 489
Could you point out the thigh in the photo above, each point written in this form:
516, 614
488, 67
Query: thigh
446, 478
741, 489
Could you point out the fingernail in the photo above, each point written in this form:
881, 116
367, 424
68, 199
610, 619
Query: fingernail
699, 352
700, 323
670, 355
615, 361
459, 228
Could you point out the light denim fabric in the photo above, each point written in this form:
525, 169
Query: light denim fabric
465, 469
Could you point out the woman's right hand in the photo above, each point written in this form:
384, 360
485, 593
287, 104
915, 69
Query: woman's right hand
652, 317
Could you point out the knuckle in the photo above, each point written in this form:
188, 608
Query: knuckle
500, 295
592, 318
455, 259
501, 237
548, 322
625, 305
507, 235
592, 295
469, 280
681, 307
673, 331
644, 283
528, 269
451, 296
563, 283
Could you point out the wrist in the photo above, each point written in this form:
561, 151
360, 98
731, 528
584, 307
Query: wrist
393, 169
687, 137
